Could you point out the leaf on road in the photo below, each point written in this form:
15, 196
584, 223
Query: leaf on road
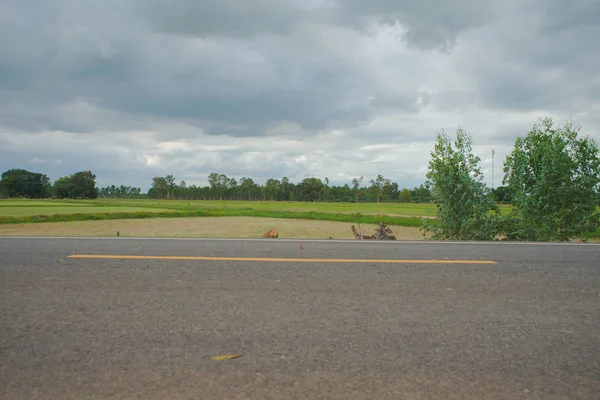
225, 357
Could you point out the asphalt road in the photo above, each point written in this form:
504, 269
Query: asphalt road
524, 327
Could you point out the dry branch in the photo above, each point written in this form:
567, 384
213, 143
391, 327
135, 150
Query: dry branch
382, 232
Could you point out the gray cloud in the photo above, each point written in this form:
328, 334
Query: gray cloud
272, 88
563, 16
538, 62
426, 24
228, 18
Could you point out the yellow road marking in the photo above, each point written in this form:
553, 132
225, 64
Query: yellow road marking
263, 259
225, 357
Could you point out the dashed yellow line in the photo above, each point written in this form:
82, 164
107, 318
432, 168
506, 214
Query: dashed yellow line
280, 260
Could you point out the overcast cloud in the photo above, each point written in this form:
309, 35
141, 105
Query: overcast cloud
133, 89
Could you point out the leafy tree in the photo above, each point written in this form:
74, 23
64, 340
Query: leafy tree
62, 187
310, 189
421, 194
223, 184
84, 183
23, 183
233, 188
553, 177
159, 188
463, 204
377, 186
249, 188
501, 194
285, 188
390, 190
171, 185
80, 185
356, 182
405, 196
326, 190
271, 189
219, 183
213, 181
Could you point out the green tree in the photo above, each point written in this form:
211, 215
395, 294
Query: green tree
377, 186
159, 188
326, 190
421, 194
84, 185
223, 185
390, 190
405, 196
80, 185
171, 185
213, 181
463, 204
219, 184
62, 187
23, 183
233, 189
271, 189
310, 189
356, 182
249, 188
501, 194
553, 177
285, 188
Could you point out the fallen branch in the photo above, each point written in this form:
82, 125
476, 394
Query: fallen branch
382, 232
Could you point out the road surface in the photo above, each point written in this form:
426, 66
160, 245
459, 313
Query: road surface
142, 318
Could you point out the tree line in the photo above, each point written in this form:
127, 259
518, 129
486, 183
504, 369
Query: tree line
20, 183
222, 187
120, 192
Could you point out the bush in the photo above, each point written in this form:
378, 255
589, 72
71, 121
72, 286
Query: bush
553, 179
464, 206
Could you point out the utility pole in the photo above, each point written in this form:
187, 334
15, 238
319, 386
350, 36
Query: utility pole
493, 154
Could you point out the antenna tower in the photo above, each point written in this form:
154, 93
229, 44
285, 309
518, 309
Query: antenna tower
493, 154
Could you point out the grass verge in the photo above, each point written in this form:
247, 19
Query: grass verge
317, 216
209, 227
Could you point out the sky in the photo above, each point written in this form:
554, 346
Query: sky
132, 89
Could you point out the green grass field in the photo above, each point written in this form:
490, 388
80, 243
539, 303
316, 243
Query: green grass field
344, 211
18, 211
405, 209
71, 209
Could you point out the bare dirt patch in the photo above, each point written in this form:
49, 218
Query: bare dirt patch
214, 227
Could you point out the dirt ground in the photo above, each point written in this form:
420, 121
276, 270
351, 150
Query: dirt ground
225, 227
